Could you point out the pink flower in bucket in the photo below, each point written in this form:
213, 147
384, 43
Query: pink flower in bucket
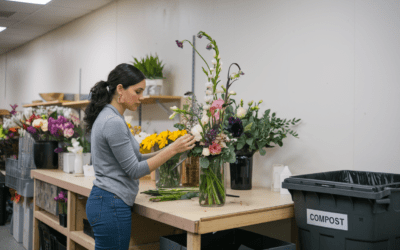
215, 148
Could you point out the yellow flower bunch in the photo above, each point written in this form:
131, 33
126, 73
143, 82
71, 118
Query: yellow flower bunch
148, 142
135, 130
162, 139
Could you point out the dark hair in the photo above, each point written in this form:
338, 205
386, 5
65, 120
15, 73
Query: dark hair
100, 95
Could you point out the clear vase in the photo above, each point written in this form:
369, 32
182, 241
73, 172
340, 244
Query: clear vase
168, 176
190, 172
211, 183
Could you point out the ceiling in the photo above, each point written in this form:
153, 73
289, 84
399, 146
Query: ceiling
26, 22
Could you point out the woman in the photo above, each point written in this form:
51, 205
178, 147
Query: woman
116, 159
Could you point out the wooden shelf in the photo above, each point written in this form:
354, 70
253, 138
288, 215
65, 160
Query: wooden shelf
55, 103
82, 239
51, 220
162, 99
76, 104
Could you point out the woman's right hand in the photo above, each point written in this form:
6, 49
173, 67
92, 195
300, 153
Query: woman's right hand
183, 143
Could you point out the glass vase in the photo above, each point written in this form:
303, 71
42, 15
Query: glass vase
190, 172
168, 176
211, 183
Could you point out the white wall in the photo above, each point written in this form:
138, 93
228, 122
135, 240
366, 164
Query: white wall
334, 64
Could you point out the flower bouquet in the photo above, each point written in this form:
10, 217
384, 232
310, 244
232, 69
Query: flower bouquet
62, 200
208, 124
9, 134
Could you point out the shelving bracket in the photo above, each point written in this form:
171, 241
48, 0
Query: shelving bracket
169, 112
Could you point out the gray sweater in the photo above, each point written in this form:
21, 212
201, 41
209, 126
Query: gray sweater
116, 159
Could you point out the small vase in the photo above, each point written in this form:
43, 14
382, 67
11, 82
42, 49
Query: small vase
168, 176
44, 155
78, 166
68, 162
211, 183
242, 171
86, 158
63, 220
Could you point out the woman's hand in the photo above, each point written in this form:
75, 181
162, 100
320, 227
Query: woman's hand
183, 143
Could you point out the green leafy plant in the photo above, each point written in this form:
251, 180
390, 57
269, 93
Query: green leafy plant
151, 66
255, 133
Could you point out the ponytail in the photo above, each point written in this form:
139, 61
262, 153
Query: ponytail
100, 97
103, 92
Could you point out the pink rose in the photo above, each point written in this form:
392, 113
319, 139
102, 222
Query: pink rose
215, 148
69, 132
217, 104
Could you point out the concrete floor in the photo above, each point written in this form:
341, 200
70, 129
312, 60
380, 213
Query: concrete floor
7, 241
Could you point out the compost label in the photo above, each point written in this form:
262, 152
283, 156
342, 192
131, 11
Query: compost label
327, 219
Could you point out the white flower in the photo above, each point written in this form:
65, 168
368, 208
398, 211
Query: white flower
205, 119
206, 152
45, 125
241, 112
208, 98
195, 131
213, 61
222, 144
208, 92
206, 107
139, 137
211, 69
209, 85
37, 123
28, 112
174, 108
67, 113
219, 56
21, 132
232, 92
173, 115
233, 76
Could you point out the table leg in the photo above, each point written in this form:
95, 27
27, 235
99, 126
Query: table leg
193, 241
295, 233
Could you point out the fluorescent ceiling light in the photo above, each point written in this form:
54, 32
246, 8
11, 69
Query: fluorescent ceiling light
31, 1
2, 28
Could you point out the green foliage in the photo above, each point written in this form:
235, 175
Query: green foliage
266, 131
151, 66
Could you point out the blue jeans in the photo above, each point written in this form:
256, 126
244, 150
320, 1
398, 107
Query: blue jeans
110, 218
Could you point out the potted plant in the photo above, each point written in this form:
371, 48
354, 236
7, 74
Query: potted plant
253, 133
62, 200
152, 68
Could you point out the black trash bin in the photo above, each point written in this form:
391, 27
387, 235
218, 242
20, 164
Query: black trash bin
347, 210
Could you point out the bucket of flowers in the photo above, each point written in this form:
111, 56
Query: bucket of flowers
214, 142
62, 200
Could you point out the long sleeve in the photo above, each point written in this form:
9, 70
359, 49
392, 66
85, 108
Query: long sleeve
116, 135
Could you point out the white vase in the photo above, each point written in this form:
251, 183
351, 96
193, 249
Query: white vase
68, 162
154, 87
86, 158
78, 164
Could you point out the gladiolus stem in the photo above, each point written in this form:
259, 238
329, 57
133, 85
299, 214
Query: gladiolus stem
197, 52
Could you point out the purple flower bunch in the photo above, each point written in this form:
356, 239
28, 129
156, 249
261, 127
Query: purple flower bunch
235, 126
13, 111
210, 137
62, 197
61, 127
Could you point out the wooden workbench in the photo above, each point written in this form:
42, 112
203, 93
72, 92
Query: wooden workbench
255, 206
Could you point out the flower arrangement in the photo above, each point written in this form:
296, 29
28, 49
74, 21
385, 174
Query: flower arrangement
62, 199
209, 126
9, 132
253, 133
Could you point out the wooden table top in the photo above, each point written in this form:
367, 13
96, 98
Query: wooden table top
254, 206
